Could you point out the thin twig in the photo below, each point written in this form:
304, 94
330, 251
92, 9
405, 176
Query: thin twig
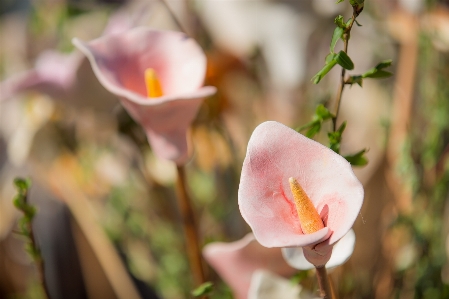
39, 261
323, 282
26, 229
190, 229
346, 36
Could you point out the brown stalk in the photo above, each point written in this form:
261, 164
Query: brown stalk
323, 282
190, 228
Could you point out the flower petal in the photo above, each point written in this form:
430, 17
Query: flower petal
119, 62
275, 153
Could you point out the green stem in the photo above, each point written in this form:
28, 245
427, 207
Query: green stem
341, 87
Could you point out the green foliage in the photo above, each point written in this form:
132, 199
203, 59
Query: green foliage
321, 114
338, 33
344, 60
332, 59
376, 72
330, 63
357, 159
335, 138
204, 289
21, 203
341, 57
340, 22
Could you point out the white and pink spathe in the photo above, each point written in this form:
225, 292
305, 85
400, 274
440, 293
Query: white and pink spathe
274, 154
119, 61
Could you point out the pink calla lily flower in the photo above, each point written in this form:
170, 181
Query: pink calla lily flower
120, 62
276, 153
54, 74
236, 262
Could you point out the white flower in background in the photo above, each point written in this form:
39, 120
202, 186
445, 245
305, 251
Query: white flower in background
267, 285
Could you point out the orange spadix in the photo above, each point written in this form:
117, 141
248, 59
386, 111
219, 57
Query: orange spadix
152, 83
308, 216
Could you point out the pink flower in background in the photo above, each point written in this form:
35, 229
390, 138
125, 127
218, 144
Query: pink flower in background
54, 74
158, 76
277, 153
237, 261
65, 77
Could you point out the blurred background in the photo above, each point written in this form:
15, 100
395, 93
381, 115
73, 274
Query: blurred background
105, 201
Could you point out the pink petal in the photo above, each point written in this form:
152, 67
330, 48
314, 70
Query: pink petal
119, 62
275, 153
236, 262
54, 74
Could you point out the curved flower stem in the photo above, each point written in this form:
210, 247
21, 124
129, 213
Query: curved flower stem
323, 282
190, 229
26, 229
39, 261
345, 36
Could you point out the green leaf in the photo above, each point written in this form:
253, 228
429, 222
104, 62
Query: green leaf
317, 78
322, 113
357, 159
384, 64
338, 33
377, 71
378, 75
339, 1
343, 59
22, 184
204, 289
340, 22
314, 129
335, 138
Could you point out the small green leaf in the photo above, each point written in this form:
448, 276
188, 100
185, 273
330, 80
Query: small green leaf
378, 75
315, 129
317, 78
22, 184
340, 22
339, 1
322, 113
343, 59
358, 24
338, 33
335, 138
384, 64
204, 289
357, 159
